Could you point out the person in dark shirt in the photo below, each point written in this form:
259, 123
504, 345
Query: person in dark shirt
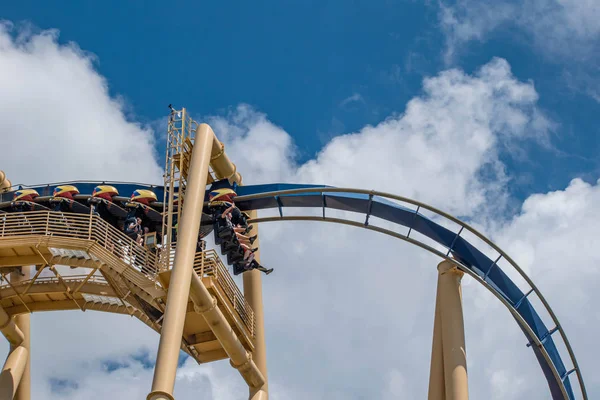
231, 226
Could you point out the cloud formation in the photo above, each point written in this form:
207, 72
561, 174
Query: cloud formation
558, 27
349, 312
450, 137
57, 119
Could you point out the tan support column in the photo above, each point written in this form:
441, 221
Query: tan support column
181, 275
253, 294
9, 329
453, 332
437, 389
16, 366
23, 321
12, 373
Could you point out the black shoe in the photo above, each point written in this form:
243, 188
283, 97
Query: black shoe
252, 239
266, 271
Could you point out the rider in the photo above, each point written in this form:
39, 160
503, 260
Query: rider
133, 229
230, 222
63, 196
22, 199
228, 217
102, 196
133, 224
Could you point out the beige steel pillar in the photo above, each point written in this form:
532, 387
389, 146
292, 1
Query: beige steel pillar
23, 321
253, 294
12, 373
437, 390
16, 371
181, 275
450, 326
10, 330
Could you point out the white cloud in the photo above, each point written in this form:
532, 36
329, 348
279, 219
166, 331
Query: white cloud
449, 136
349, 312
560, 232
57, 119
355, 98
558, 27
258, 145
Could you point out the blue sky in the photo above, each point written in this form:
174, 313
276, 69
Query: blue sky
486, 109
317, 69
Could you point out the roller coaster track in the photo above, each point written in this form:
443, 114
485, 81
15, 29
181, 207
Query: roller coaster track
405, 212
402, 218
123, 277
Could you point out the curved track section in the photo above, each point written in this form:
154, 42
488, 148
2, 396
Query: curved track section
471, 260
430, 233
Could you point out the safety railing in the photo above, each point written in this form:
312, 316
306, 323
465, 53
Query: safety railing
79, 226
211, 265
92, 227
68, 279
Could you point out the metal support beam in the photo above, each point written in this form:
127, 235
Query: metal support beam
181, 276
16, 366
23, 321
206, 305
448, 379
437, 390
219, 161
9, 329
253, 294
12, 372
17, 261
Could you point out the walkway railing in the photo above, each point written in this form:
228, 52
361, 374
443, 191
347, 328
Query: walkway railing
211, 265
69, 279
92, 227
79, 226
